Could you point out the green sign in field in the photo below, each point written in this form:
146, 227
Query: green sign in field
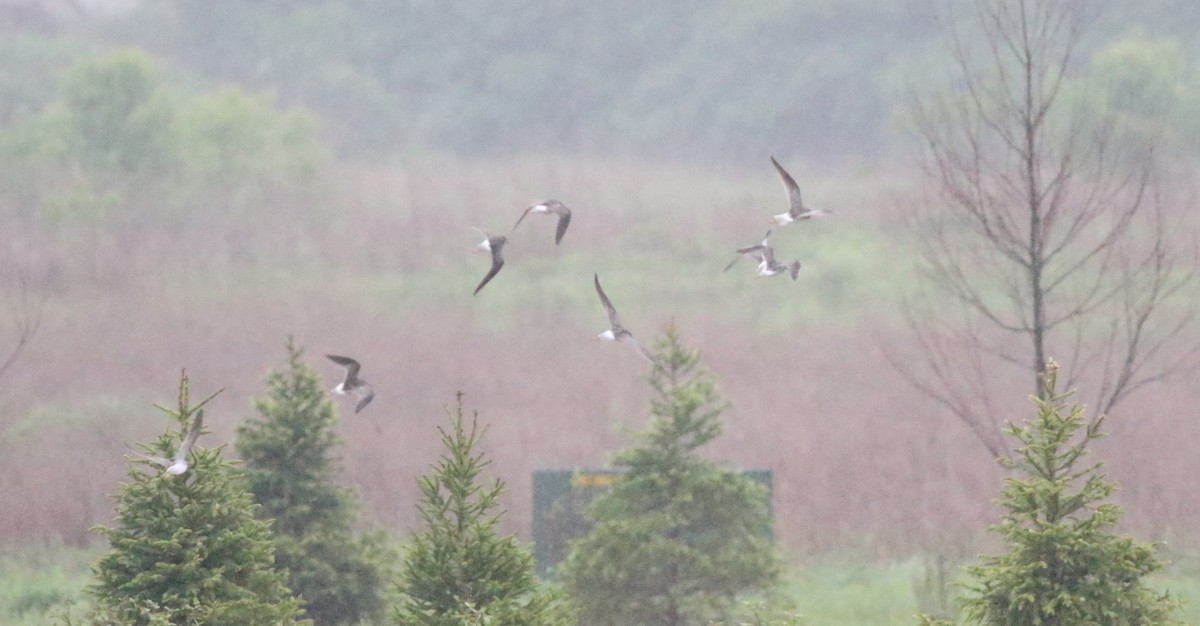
560, 501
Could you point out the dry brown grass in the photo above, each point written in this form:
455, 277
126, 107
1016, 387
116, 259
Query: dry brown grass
859, 457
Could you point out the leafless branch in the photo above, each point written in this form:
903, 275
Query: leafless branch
26, 317
1045, 229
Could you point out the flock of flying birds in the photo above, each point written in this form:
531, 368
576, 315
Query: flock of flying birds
762, 254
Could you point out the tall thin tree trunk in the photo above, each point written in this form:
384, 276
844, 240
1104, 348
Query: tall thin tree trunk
1031, 121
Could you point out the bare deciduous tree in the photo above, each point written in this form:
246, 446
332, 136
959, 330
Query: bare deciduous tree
1043, 235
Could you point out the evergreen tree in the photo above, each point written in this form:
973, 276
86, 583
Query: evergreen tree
188, 549
458, 571
289, 462
1064, 565
678, 537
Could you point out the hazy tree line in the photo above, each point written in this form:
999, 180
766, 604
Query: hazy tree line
87, 124
673, 79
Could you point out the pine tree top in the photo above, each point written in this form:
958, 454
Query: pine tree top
1064, 564
458, 568
289, 452
685, 408
291, 468
678, 537
1050, 485
188, 548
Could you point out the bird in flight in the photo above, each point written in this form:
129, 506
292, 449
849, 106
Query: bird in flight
547, 208
352, 384
796, 209
764, 254
179, 464
751, 252
493, 244
616, 332
770, 267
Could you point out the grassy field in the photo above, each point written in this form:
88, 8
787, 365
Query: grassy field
387, 277
829, 591
37, 581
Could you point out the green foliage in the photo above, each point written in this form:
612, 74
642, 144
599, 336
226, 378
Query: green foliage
227, 136
678, 537
484, 76
844, 588
288, 453
760, 612
290, 468
935, 588
479, 77
458, 571
109, 116
188, 549
117, 143
39, 578
835, 589
1146, 89
115, 113
1064, 566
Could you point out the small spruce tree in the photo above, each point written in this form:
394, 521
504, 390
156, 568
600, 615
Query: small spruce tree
188, 549
290, 466
458, 570
678, 538
1064, 565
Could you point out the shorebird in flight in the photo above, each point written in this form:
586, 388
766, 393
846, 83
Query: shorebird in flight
353, 384
493, 244
550, 207
616, 332
768, 266
179, 464
796, 209
764, 255
751, 252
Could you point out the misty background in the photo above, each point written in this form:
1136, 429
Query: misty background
185, 184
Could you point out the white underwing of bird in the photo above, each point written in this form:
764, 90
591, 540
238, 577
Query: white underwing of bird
617, 332
550, 207
796, 209
352, 383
